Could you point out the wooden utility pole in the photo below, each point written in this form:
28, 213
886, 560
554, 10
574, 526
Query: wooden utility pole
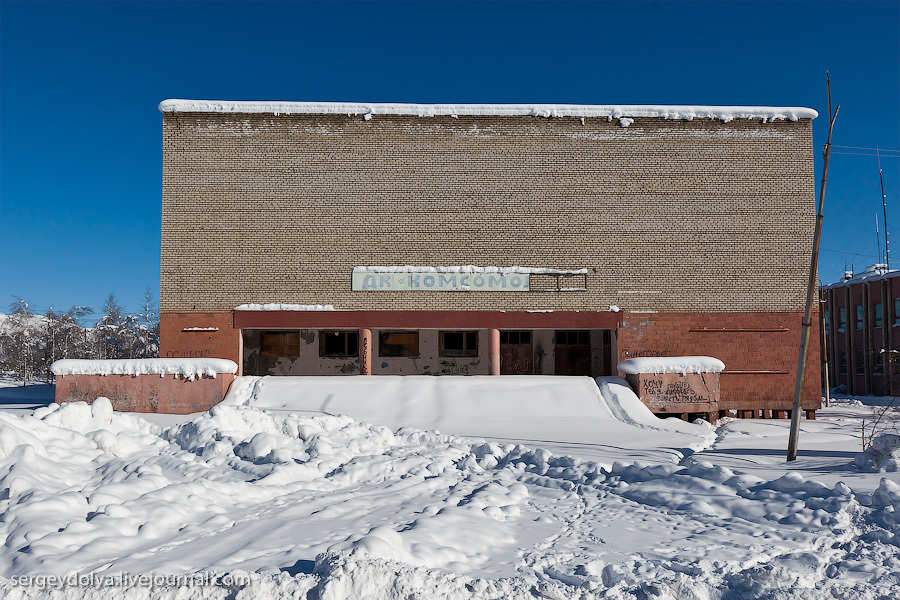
813, 268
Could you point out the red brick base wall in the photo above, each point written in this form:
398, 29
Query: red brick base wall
181, 335
170, 394
759, 351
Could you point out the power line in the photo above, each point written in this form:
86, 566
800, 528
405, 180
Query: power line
862, 148
849, 253
866, 154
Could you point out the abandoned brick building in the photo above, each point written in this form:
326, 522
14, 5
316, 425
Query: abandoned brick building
332, 238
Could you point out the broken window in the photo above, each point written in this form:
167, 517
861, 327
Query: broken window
398, 343
459, 343
339, 344
279, 343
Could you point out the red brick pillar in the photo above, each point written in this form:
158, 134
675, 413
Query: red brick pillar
365, 351
494, 348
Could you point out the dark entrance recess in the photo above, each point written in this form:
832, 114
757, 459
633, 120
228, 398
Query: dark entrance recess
516, 353
573, 353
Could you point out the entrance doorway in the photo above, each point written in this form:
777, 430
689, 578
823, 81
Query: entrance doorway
516, 353
573, 352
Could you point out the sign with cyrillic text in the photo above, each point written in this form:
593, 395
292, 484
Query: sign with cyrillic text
439, 282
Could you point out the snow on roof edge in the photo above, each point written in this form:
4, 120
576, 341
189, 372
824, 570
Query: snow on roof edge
189, 368
671, 364
612, 111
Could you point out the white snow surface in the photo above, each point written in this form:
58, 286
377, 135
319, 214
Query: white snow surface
310, 505
609, 111
601, 426
671, 364
467, 269
275, 306
189, 368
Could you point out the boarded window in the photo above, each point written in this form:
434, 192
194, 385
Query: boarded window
339, 344
279, 343
459, 343
398, 343
879, 315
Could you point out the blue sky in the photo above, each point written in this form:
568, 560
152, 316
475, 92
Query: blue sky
80, 149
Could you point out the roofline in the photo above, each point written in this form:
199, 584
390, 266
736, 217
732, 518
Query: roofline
722, 113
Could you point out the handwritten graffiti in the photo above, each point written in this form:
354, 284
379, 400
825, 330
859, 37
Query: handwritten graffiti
679, 392
188, 353
365, 358
626, 353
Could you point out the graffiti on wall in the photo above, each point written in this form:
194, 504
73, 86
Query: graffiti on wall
657, 392
626, 353
189, 353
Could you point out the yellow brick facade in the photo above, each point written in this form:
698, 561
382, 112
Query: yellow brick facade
666, 215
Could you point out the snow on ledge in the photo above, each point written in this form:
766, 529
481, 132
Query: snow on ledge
468, 269
284, 307
673, 364
624, 112
189, 368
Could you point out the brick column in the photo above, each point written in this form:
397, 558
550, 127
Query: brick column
494, 349
365, 351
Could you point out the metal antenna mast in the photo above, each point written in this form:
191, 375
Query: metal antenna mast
887, 250
877, 240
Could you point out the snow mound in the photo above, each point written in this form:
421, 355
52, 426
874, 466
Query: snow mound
882, 455
298, 307
189, 368
609, 111
671, 364
323, 506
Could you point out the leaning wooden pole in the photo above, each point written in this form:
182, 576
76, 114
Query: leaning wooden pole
813, 268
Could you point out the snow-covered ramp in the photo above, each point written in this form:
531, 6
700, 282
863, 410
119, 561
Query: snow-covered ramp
564, 414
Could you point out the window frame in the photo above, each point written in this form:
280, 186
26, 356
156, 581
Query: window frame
350, 350
469, 335
860, 317
381, 343
281, 333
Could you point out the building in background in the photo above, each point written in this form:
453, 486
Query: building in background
329, 238
862, 332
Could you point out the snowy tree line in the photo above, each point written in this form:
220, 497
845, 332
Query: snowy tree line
29, 342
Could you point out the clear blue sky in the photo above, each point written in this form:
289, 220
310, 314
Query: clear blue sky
80, 134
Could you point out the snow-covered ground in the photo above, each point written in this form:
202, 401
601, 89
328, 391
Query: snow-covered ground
303, 504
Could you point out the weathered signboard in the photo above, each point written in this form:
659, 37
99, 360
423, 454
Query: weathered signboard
439, 282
